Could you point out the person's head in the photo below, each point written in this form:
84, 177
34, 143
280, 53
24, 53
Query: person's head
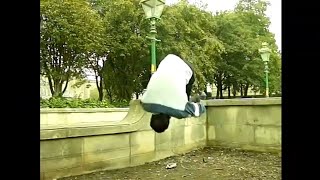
159, 122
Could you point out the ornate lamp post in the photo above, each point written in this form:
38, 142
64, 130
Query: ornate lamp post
265, 55
153, 10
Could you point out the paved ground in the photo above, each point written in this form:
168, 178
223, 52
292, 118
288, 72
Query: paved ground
207, 163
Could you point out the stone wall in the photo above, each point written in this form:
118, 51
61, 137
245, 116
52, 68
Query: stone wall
77, 141
251, 124
71, 149
66, 117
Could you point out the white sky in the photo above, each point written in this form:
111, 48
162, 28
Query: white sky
273, 12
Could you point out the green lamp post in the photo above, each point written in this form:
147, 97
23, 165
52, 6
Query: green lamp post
265, 55
153, 10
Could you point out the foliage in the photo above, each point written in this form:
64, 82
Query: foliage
242, 31
126, 70
70, 29
79, 103
222, 47
188, 30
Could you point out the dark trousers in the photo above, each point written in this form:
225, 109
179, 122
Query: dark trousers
190, 83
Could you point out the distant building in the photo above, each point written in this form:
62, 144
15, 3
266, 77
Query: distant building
82, 91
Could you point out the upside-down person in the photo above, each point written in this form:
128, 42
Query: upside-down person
168, 92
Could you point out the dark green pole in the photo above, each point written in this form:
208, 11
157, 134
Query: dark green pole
153, 39
267, 80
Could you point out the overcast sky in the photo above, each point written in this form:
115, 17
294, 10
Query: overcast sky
273, 12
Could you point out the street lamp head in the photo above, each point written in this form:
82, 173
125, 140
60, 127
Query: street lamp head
265, 52
153, 8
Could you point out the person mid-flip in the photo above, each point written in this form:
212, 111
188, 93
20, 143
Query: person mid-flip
168, 92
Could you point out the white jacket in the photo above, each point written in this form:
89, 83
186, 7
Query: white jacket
167, 86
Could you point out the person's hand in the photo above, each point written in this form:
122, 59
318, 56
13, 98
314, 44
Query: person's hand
195, 98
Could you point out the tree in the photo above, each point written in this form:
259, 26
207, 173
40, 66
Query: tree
253, 14
187, 29
98, 57
70, 29
126, 70
242, 31
97, 60
230, 31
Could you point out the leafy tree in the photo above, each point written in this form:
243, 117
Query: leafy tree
69, 29
126, 69
98, 57
242, 31
188, 30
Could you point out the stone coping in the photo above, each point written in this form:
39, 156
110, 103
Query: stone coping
82, 110
243, 102
132, 122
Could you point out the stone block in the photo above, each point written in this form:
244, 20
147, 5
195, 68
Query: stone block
50, 175
60, 148
105, 142
194, 133
164, 137
139, 159
106, 155
268, 135
60, 163
234, 133
177, 136
211, 133
107, 164
142, 142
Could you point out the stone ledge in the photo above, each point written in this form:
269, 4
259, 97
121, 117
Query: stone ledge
82, 110
242, 102
132, 122
92, 130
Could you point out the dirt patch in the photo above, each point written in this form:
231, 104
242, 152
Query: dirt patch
207, 163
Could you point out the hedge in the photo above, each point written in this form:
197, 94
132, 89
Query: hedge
79, 103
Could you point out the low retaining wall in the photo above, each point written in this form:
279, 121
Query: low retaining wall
71, 149
78, 141
74, 116
250, 124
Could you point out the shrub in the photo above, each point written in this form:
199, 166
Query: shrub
79, 103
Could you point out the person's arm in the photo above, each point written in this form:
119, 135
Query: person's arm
191, 81
189, 86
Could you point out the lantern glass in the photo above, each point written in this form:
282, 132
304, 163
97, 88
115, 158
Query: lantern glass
265, 52
153, 8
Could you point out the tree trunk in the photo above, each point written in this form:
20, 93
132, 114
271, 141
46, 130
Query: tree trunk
246, 90
205, 89
51, 85
109, 95
229, 92
101, 89
65, 86
219, 87
234, 91
99, 83
217, 95
100, 94
221, 91
57, 84
137, 95
241, 90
